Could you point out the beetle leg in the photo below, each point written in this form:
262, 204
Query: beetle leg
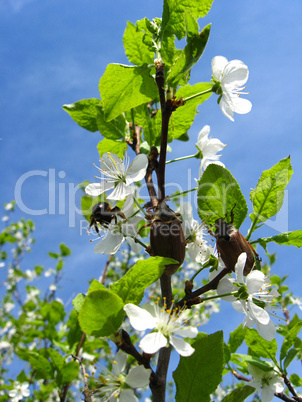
143, 227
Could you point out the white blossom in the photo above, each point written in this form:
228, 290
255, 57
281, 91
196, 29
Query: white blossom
194, 232
230, 78
256, 288
19, 391
209, 148
169, 326
267, 381
116, 386
118, 175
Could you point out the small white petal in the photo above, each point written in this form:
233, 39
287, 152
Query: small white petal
121, 360
226, 285
139, 318
138, 377
259, 313
254, 281
268, 331
225, 108
266, 394
126, 395
95, 189
110, 163
137, 169
204, 132
151, 343
109, 244
238, 104
120, 192
239, 267
182, 347
218, 65
277, 384
235, 74
186, 332
12, 393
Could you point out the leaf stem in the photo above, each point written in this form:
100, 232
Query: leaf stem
175, 195
207, 91
182, 158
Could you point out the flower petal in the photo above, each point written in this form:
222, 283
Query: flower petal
268, 331
239, 267
138, 377
225, 108
277, 384
95, 189
186, 332
218, 65
109, 244
254, 281
111, 164
238, 104
204, 132
151, 343
258, 313
121, 359
139, 318
235, 74
120, 192
182, 347
137, 169
226, 285
126, 395
267, 394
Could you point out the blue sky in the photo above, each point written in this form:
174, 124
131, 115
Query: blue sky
55, 52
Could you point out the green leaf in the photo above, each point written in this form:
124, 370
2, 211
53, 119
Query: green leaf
290, 357
188, 57
78, 301
290, 339
259, 346
53, 312
115, 129
192, 28
182, 119
284, 239
95, 285
296, 380
132, 285
69, 372
84, 113
173, 19
75, 333
38, 362
65, 251
101, 313
137, 52
236, 338
254, 360
218, 194
239, 394
116, 147
56, 358
267, 197
124, 87
199, 374
143, 119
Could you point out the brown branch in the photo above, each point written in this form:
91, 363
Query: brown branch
192, 298
289, 385
86, 389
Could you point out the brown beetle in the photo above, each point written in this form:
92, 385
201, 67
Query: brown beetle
230, 244
166, 237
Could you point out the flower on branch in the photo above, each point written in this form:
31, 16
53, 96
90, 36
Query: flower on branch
118, 175
209, 148
269, 381
19, 391
194, 232
116, 386
116, 232
168, 326
253, 298
229, 78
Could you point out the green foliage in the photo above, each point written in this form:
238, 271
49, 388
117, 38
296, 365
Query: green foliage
259, 346
267, 197
130, 288
218, 194
173, 15
134, 87
239, 394
114, 129
136, 50
287, 239
84, 113
101, 313
188, 57
236, 338
107, 145
199, 374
